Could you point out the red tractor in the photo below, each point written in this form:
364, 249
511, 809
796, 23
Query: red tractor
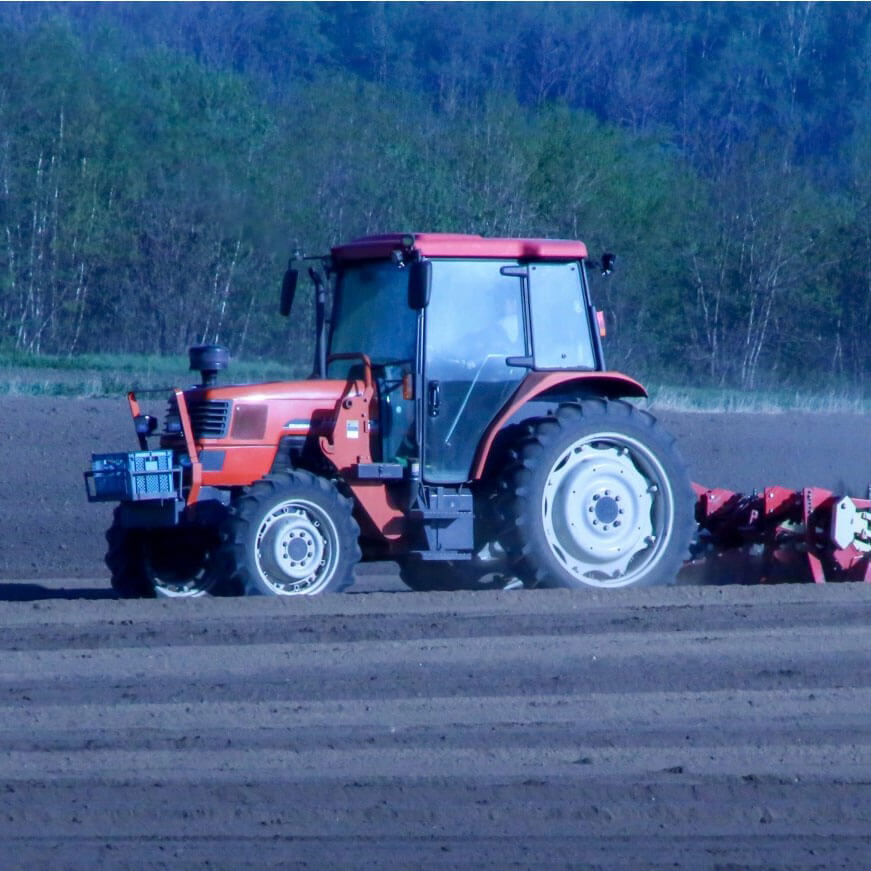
460, 420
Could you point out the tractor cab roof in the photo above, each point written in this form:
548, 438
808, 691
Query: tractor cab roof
458, 245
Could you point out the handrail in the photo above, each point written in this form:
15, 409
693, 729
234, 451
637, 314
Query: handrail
187, 429
357, 355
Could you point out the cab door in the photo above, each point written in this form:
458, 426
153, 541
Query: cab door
371, 316
475, 331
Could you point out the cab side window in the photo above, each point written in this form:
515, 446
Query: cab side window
560, 329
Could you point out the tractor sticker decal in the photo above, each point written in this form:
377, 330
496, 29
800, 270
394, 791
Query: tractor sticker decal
298, 426
352, 429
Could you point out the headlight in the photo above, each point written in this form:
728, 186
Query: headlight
172, 424
145, 424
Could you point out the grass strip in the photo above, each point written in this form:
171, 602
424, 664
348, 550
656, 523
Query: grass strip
93, 375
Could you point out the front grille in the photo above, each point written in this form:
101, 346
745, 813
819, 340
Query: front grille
209, 417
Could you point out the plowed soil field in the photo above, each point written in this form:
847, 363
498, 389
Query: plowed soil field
690, 727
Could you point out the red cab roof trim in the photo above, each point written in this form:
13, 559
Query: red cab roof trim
458, 245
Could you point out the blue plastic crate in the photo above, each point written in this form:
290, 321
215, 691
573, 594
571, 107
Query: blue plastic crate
133, 476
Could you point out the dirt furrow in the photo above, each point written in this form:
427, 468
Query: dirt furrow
779, 711
689, 727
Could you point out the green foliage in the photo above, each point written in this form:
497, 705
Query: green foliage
159, 164
111, 374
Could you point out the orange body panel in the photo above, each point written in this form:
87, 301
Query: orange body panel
190, 445
461, 245
349, 444
243, 465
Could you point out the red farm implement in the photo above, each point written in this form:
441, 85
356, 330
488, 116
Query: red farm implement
780, 534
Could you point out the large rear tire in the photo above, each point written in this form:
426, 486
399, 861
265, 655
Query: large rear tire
179, 562
292, 535
598, 496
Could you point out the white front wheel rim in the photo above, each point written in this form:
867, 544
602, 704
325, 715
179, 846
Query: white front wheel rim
296, 548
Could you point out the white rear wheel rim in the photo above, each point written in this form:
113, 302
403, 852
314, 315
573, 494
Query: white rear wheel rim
607, 509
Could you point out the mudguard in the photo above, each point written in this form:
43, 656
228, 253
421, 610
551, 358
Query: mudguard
537, 385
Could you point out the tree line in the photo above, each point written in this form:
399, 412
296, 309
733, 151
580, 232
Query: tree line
160, 162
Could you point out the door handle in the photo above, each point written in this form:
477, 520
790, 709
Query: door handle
434, 398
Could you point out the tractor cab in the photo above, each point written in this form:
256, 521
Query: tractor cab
453, 325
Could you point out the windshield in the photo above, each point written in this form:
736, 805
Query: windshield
371, 315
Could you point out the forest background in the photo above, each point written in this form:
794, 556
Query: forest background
160, 162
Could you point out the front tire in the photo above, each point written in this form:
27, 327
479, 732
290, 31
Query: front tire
293, 535
598, 496
177, 562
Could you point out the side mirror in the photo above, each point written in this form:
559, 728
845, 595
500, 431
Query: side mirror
419, 284
288, 289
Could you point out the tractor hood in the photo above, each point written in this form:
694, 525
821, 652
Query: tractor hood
238, 429
262, 414
319, 390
